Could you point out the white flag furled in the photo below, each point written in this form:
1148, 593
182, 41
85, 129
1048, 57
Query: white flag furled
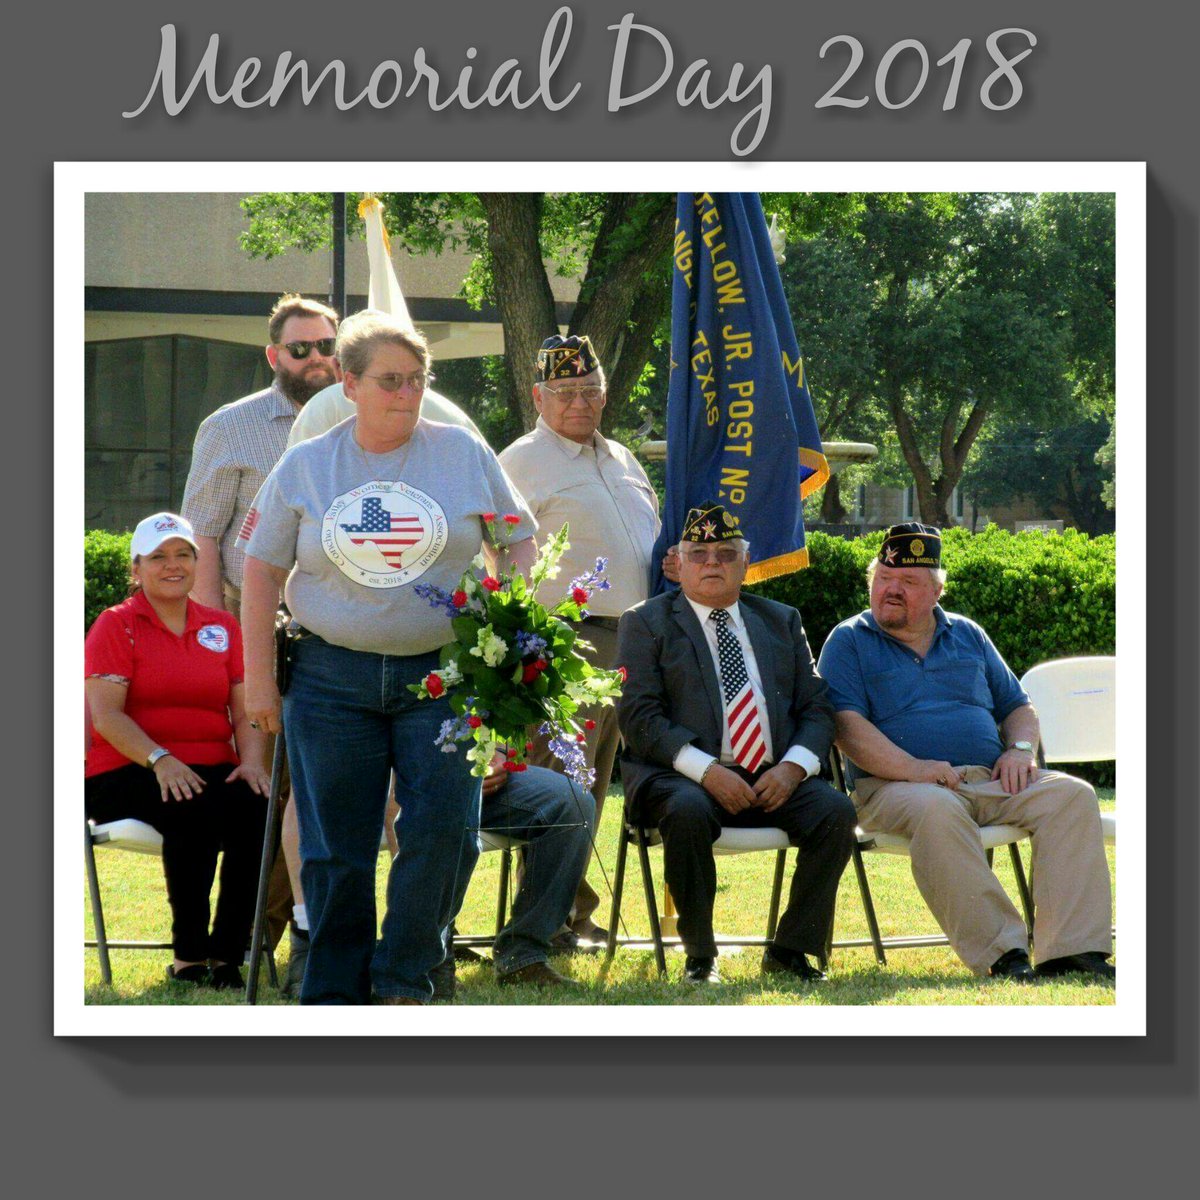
384, 294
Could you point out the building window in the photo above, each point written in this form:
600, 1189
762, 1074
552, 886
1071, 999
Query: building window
143, 401
957, 505
910, 503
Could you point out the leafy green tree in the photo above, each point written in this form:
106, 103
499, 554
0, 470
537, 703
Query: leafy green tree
618, 244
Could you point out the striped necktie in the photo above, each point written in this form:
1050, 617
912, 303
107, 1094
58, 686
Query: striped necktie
741, 711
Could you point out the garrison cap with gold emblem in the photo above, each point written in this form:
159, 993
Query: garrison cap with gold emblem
710, 523
911, 545
566, 358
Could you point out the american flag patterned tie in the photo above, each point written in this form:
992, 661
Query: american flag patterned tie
741, 711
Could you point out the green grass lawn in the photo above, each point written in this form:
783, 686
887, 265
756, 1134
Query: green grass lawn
135, 908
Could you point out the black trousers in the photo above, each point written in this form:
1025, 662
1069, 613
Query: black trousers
816, 817
225, 816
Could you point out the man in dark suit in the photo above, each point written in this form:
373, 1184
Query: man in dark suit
726, 723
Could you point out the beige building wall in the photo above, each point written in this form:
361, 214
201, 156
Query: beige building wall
189, 242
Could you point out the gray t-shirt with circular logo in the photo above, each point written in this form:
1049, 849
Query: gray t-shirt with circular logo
358, 530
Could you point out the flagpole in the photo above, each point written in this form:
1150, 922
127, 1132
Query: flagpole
337, 293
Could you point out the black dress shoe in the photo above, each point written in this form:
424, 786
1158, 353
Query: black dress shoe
1092, 962
700, 970
779, 961
1013, 965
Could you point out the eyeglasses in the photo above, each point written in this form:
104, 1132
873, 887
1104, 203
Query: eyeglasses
702, 554
590, 394
323, 346
391, 382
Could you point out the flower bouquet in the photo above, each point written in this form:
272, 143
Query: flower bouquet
513, 663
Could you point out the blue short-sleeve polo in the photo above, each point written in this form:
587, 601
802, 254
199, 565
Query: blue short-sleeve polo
944, 706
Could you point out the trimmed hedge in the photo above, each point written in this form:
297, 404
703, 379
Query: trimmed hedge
1038, 595
105, 572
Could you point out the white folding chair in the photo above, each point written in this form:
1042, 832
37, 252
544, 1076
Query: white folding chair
1076, 706
138, 838
731, 841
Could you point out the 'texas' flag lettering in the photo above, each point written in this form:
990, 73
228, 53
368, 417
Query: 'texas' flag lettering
392, 534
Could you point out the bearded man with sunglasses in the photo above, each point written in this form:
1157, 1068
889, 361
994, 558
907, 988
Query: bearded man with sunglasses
569, 472
235, 450
726, 723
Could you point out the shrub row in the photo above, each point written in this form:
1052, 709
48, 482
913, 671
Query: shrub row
1038, 595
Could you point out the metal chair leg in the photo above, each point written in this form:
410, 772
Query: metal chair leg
1022, 886
502, 898
660, 956
864, 891
614, 916
89, 858
776, 891
271, 840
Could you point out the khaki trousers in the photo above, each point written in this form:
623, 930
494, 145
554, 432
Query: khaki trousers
600, 749
1069, 878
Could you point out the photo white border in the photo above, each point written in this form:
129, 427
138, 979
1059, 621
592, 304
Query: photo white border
1127, 1017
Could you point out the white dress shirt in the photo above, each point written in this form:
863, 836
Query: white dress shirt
691, 761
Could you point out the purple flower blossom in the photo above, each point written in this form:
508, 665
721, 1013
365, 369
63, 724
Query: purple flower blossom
437, 597
454, 730
592, 580
530, 644
570, 753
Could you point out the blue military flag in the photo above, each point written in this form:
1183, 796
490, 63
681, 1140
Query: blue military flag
740, 423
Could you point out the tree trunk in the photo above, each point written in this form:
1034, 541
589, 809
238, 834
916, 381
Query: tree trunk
626, 290
833, 512
523, 293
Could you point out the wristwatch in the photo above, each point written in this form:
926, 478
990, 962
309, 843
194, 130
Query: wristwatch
154, 756
1026, 746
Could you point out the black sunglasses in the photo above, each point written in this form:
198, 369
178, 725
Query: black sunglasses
323, 346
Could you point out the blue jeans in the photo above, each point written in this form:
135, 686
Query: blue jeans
556, 819
350, 720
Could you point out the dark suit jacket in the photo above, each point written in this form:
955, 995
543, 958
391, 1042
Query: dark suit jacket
672, 695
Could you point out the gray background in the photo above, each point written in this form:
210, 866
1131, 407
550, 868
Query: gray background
1107, 81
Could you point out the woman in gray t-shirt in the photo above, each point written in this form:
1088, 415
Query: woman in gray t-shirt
346, 524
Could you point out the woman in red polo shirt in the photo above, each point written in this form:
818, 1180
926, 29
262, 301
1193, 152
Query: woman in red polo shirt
164, 689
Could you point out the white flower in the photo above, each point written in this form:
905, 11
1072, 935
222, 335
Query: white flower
489, 647
450, 673
478, 563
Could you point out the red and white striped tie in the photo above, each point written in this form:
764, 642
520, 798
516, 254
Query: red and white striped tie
741, 711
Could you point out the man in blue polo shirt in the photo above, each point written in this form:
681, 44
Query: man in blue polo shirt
942, 739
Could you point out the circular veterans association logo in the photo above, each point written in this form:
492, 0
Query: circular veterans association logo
214, 638
384, 534
917, 547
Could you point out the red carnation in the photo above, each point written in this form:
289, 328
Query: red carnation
541, 664
489, 517
528, 747
624, 674
511, 753
530, 673
520, 766
434, 685
474, 722
580, 595
511, 519
491, 583
459, 598
589, 724
509, 766
580, 738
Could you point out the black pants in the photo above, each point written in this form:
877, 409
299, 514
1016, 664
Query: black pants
225, 816
816, 817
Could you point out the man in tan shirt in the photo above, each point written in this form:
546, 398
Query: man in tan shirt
569, 472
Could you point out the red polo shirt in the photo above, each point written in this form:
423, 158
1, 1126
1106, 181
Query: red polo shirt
178, 687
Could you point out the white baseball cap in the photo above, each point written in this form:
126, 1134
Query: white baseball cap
161, 527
